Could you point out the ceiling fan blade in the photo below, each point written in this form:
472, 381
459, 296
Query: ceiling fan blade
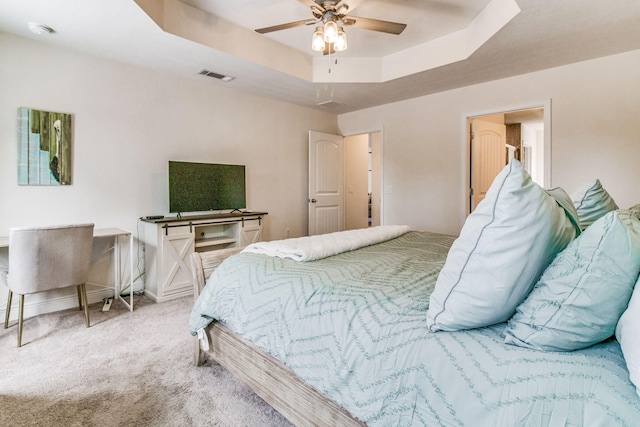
374, 24
284, 26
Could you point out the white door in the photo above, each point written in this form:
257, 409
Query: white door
326, 166
488, 156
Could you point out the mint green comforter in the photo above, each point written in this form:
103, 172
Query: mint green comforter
354, 327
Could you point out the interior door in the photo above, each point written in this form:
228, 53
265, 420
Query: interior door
326, 168
488, 156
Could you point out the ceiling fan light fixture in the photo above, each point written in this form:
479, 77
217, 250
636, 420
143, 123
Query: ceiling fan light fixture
317, 41
341, 41
330, 31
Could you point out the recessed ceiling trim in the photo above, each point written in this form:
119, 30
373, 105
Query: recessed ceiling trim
199, 26
444, 50
202, 27
453, 47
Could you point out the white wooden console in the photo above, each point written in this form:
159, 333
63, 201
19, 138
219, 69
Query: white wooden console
168, 243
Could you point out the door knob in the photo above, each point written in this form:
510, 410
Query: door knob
312, 200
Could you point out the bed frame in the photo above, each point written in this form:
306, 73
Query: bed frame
266, 376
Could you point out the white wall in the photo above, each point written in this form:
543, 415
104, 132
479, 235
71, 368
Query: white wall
595, 133
128, 122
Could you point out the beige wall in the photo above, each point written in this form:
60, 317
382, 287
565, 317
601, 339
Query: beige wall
595, 133
128, 122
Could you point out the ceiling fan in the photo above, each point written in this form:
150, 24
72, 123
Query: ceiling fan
332, 16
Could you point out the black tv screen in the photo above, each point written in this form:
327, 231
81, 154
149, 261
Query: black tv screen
196, 187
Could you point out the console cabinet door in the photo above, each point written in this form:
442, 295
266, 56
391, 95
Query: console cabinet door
251, 232
177, 245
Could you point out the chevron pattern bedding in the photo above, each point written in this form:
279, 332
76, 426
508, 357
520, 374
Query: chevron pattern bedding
354, 327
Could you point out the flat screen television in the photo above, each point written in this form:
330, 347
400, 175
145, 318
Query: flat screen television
198, 187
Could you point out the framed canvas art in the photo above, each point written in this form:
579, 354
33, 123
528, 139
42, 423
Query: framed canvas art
44, 147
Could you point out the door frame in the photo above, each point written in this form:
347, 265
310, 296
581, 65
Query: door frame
466, 153
381, 189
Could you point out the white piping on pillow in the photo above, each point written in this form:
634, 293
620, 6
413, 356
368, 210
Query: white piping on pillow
504, 246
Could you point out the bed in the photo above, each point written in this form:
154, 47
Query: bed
346, 339
494, 382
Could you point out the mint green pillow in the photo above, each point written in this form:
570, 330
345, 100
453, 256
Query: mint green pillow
592, 201
627, 334
581, 295
503, 248
565, 202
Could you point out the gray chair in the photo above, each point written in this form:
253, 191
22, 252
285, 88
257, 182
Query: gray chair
46, 258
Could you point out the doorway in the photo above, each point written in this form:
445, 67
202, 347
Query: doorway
363, 182
494, 139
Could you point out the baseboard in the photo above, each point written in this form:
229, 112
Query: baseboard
51, 305
155, 298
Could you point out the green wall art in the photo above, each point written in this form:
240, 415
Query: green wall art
44, 147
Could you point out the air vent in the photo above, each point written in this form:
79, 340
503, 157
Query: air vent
216, 75
328, 104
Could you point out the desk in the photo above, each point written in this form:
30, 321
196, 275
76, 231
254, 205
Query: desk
116, 234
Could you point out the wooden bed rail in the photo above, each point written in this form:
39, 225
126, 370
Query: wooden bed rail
202, 265
268, 378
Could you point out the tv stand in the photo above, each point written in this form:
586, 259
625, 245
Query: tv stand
169, 241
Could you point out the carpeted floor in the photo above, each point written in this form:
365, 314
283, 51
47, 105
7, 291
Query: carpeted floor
128, 369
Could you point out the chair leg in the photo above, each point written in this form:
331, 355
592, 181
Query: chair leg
8, 310
86, 303
20, 316
79, 289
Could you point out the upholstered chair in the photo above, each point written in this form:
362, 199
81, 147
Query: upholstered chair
46, 258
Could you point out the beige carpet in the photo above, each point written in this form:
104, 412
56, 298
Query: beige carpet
128, 369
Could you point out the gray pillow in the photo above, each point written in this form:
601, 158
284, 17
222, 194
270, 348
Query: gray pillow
592, 201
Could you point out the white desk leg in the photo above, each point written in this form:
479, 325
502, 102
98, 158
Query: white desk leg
131, 271
117, 268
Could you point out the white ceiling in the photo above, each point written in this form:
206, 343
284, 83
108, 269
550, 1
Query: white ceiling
186, 37
426, 20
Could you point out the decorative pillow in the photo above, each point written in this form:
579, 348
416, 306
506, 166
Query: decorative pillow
564, 200
579, 298
627, 333
504, 246
592, 202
